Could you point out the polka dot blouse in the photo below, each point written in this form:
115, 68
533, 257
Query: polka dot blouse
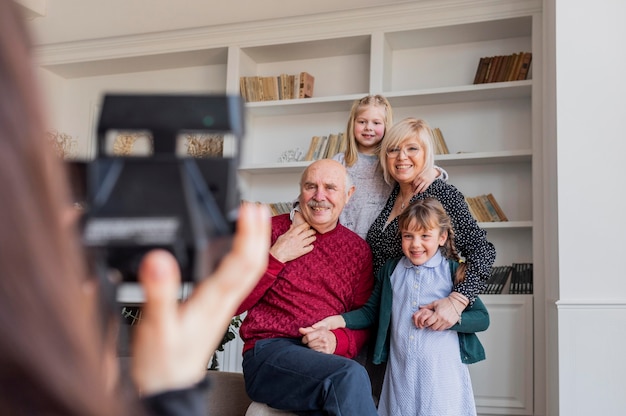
470, 240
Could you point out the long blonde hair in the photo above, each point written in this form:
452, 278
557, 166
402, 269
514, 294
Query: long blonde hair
352, 152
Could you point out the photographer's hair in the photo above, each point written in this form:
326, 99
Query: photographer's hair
408, 129
51, 346
429, 214
352, 153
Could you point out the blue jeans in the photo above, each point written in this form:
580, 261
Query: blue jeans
288, 375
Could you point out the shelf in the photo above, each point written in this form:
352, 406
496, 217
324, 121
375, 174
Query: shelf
274, 168
324, 48
481, 158
132, 64
459, 159
447, 95
460, 34
423, 59
459, 94
506, 224
314, 105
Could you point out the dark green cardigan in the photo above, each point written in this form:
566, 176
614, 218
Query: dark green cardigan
475, 318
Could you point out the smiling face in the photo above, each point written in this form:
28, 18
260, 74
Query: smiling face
369, 128
406, 151
420, 245
324, 191
406, 160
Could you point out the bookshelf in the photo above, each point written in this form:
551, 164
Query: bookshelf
423, 57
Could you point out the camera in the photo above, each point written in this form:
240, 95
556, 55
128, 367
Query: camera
163, 198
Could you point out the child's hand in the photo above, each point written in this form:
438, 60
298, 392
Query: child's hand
330, 322
420, 317
423, 181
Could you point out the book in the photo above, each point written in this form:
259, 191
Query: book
491, 211
496, 206
441, 148
503, 277
312, 147
283, 87
521, 279
491, 283
472, 209
278, 208
506, 61
295, 86
479, 70
290, 87
497, 280
515, 66
480, 209
343, 144
269, 86
333, 143
525, 66
242, 88
307, 83
320, 150
484, 70
496, 62
254, 92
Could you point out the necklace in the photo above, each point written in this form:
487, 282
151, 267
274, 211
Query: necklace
402, 203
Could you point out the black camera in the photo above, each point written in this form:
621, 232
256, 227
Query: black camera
163, 198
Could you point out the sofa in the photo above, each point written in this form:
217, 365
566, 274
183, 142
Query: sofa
227, 397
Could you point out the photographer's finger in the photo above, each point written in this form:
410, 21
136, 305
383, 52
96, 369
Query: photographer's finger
160, 277
250, 245
241, 268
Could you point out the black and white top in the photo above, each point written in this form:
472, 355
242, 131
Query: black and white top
470, 239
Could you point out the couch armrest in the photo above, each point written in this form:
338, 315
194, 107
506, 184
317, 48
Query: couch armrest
227, 394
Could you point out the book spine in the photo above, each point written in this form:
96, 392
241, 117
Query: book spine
307, 83
525, 66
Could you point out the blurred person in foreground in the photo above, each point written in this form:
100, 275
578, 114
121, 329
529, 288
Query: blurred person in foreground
53, 345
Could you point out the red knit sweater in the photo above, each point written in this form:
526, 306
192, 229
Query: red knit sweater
334, 278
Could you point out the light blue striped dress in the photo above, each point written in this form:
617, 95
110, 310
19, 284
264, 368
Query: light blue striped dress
425, 375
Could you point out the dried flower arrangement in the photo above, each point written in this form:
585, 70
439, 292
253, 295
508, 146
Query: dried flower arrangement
64, 144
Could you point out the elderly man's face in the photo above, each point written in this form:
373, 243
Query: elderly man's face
323, 194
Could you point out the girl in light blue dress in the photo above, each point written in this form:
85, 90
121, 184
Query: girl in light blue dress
427, 373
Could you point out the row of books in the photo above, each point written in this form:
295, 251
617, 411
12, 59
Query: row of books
323, 147
518, 277
278, 208
485, 208
281, 87
441, 148
501, 68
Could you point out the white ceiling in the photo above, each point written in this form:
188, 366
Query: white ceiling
72, 20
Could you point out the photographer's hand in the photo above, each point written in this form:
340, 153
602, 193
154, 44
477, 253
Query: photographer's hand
174, 341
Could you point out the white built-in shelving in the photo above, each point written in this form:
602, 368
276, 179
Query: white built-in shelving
423, 57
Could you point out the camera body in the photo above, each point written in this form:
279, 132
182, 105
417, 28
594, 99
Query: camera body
183, 204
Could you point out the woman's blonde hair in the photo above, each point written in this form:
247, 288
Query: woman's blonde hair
407, 129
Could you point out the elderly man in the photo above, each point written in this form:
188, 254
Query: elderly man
316, 269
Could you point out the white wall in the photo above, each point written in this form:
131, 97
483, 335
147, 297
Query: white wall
590, 113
